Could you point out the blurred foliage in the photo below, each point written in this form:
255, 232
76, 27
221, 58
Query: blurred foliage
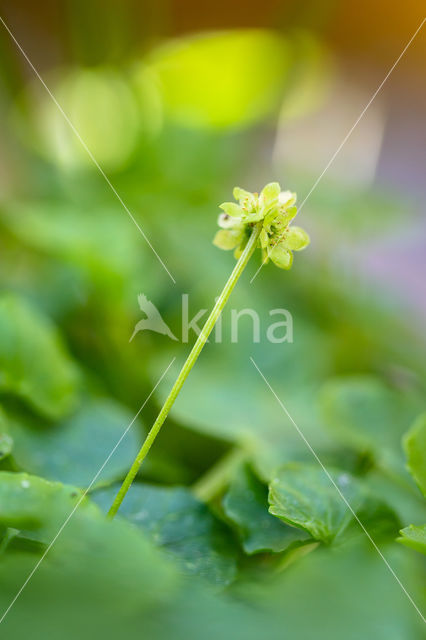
414, 537
183, 525
415, 450
174, 130
246, 505
102, 109
204, 79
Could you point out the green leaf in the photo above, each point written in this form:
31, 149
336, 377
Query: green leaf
414, 443
177, 521
33, 503
303, 496
111, 558
246, 505
378, 518
77, 236
74, 450
364, 413
414, 537
403, 497
364, 603
34, 363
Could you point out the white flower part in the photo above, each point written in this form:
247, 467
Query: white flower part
286, 198
228, 222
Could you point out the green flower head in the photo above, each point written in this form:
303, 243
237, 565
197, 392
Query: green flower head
274, 209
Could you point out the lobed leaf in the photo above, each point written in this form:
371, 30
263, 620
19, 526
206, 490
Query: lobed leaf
414, 537
414, 443
74, 450
179, 522
362, 412
111, 561
246, 506
302, 495
34, 363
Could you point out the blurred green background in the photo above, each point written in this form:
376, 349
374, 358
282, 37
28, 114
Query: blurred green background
178, 102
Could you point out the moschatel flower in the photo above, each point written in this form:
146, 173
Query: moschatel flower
274, 209
256, 221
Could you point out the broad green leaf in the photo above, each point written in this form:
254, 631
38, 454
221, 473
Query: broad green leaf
74, 450
177, 521
79, 236
34, 363
112, 558
33, 504
366, 414
378, 518
415, 449
402, 497
304, 496
365, 602
246, 505
414, 537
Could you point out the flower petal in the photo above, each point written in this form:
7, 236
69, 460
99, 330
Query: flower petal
287, 215
231, 209
287, 198
281, 256
241, 194
257, 216
228, 238
296, 239
264, 238
226, 221
270, 193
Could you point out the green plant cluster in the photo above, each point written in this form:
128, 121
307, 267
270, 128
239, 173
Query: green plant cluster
231, 526
275, 210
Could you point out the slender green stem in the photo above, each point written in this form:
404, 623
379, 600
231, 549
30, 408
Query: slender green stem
218, 476
192, 358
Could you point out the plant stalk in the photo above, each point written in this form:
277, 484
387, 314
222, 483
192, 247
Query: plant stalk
184, 372
219, 475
